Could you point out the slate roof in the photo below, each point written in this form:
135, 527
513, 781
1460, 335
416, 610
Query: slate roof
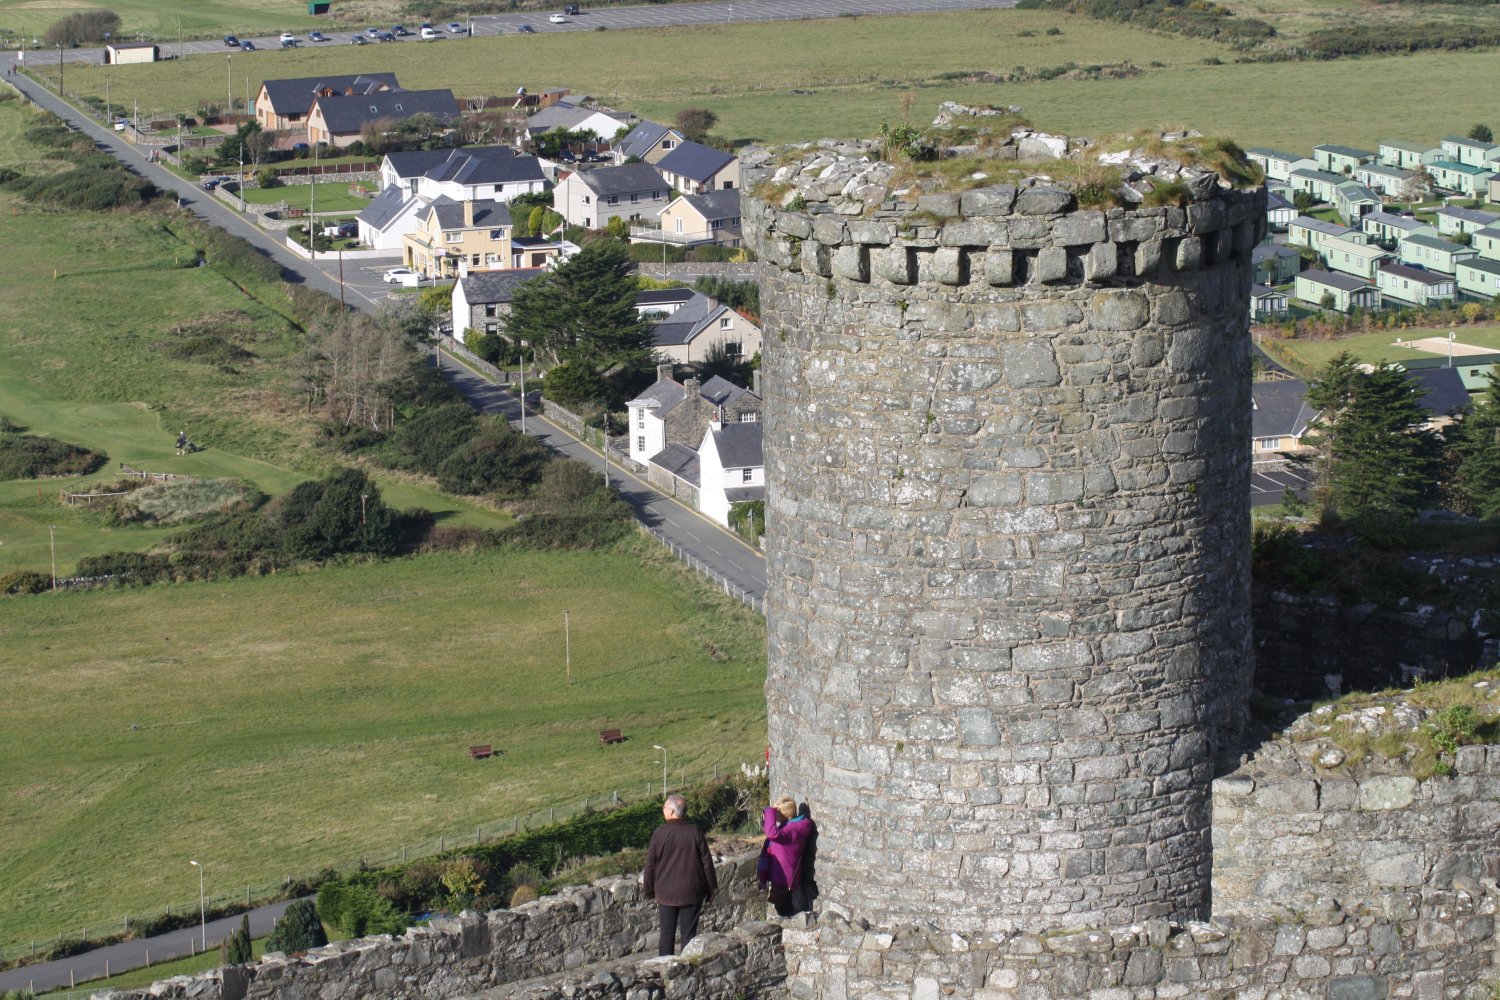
666, 393
713, 205
417, 162
1265, 292
347, 115
694, 161
628, 178
1380, 170
1462, 168
1405, 146
1467, 143
681, 461
1320, 175
739, 445
1280, 408
1468, 215
384, 207
685, 323
1275, 202
564, 115
496, 286
1482, 264
1367, 251
740, 494
450, 213
1355, 191
641, 138
295, 96
662, 296
1341, 281
1441, 390
1416, 274
719, 391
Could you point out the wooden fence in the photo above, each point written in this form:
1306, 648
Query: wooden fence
150, 477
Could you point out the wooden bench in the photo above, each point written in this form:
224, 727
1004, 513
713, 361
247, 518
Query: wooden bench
481, 752
608, 736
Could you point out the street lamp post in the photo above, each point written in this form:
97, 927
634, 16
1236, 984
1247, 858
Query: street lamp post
663, 750
1451, 335
59, 70
312, 208
228, 85
203, 908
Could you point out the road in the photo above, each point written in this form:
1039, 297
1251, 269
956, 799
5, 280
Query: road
126, 955
612, 18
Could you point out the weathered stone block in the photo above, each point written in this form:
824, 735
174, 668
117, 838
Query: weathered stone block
1030, 364
948, 266
988, 202
1101, 263
999, 267
1051, 265
1122, 310
1384, 792
853, 262
894, 264
1042, 201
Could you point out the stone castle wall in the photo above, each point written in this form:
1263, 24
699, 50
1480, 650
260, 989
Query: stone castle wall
1007, 535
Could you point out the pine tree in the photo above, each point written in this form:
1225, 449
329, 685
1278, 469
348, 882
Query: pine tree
1475, 441
1378, 457
235, 949
299, 929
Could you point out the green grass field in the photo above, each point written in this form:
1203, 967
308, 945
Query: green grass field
268, 726
854, 71
1310, 355
333, 197
161, 21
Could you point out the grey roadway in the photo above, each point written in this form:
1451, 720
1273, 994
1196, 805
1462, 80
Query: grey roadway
613, 18
117, 958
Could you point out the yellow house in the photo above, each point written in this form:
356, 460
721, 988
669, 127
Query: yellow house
284, 104
453, 238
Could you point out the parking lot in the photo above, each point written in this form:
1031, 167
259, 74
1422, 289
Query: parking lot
1268, 481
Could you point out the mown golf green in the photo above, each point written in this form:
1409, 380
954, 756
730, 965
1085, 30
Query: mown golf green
797, 81
1308, 355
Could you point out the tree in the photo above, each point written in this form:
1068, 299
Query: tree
696, 123
583, 314
1379, 458
235, 949
1481, 133
83, 28
1475, 442
718, 361
299, 929
1303, 200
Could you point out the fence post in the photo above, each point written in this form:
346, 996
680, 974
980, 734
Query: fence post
478, 836
617, 796
551, 815
148, 958
442, 843
403, 852
247, 895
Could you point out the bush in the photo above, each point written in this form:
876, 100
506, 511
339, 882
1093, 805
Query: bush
501, 463
26, 456
91, 189
235, 949
524, 894
25, 581
357, 909
426, 440
83, 28
299, 929
179, 501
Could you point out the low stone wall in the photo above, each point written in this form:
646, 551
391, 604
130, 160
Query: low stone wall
453, 957
1427, 946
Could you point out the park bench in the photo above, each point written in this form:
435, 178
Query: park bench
481, 752
608, 736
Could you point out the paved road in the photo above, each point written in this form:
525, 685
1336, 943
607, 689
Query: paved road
133, 954
613, 18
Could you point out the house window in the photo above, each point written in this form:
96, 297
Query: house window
452, 238
497, 234
749, 418
492, 328
474, 260
726, 322
667, 144
679, 227
729, 185
746, 475
584, 199
640, 443
490, 309
613, 200
732, 348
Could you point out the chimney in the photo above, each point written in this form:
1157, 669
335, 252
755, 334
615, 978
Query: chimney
664, 372
469, 214
755, 381
691, 385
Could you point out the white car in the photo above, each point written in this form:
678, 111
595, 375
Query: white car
402, 276
429, 34
558, 19
287, 38
454, 28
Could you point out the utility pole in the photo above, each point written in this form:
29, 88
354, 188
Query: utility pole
567, 648
52, 537
312, 208
229, 86
59, 70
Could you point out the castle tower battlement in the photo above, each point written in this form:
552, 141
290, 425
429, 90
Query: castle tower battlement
1007, 449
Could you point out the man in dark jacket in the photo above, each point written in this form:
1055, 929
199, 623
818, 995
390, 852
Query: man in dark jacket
679, 874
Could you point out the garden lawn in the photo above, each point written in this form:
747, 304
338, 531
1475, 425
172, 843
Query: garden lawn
853, 72
331, 197
270, 726
1310, 355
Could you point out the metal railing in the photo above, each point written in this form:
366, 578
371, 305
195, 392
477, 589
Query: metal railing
653, 234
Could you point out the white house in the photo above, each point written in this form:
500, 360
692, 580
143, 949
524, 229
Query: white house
1386, 229
1267, 303
1358, 259
1306, 231
481, 299
686, 324
1414, 285
1343, 292
565, 116
1434, 253
1453, 220
1277, 164
731, 468
411, 181
669, 412
634, 192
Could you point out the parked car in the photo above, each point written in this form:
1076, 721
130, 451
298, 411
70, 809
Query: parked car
404, 276
121, 124
231, 41
571, 8
429, 34
558, 19
399, 30
525, 29
317, 36
247, 46
385, 36
426, 24
212, 182
299, 148
454, 28
287, 36
373, 32
289, 43
359, 40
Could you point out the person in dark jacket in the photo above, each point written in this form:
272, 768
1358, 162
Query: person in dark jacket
679, 875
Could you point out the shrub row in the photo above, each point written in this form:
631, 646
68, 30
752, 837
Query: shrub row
27, 456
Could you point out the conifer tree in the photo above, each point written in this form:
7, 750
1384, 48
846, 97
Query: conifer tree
1475, 441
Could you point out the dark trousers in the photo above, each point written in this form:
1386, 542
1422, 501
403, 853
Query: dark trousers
679, 922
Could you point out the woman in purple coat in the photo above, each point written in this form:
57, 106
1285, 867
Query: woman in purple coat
786, 838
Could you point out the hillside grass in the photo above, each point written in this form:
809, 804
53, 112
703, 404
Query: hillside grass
854, 71
269, 726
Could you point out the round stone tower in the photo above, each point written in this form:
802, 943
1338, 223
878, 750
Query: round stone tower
1007, 446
